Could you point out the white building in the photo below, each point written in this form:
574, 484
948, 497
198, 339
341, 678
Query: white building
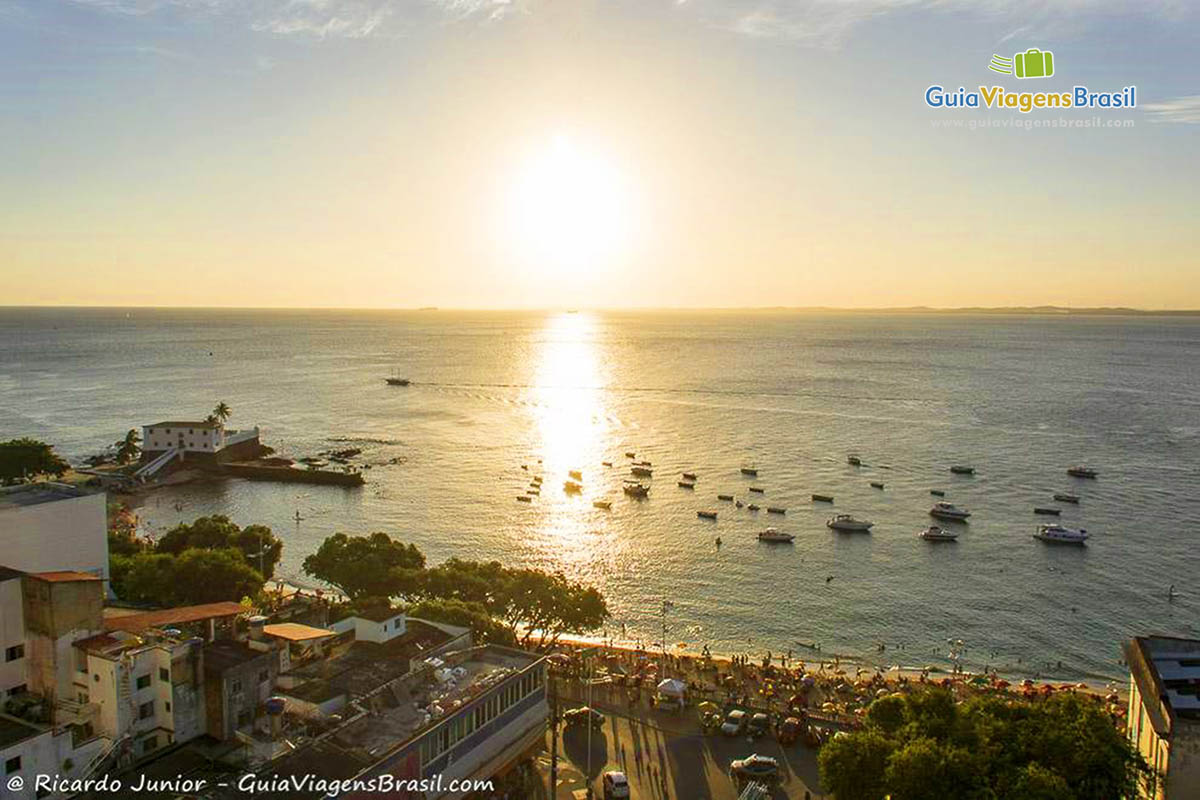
1164, 713
379, 626
190, 437
14, 678
52, 526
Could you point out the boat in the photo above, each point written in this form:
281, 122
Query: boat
397, 381
751, 471
1057, 534
533, 490
641, 472
738, 503
642, 464
524, 498
949, 511
706, 514
822, 498
630, 454
776, 510
689, 476
1048, 512
536, 480
757, 489
753, 506
876, 484
571, 487
937, 493
602, 504
1067, 498
686, 485
1081, 472
775, 535
576, 474
845, 522
962, 469
636, 490
935, 534
725, 497
606, 463
854, 460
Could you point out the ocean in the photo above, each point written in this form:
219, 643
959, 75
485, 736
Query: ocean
1020, 398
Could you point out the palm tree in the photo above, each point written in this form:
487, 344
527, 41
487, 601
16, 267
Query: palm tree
128, 449
222, 411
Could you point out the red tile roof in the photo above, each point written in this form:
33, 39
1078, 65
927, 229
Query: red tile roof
173, 616
65, 576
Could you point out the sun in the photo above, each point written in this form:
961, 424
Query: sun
569, 206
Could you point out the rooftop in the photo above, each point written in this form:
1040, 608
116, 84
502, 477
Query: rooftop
64, 576
1167, 669
295, 632
35, 494
13, 730
226, 654
8, 573
172, 616
185, 424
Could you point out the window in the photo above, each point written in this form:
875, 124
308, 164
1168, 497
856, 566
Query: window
81, 698
164, 674
168, 707
149, 743
96, 678
12, 765
14, 652
143, 681
235, 687
244, 718
146, 710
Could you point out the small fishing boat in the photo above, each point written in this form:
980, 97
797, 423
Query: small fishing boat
1067, 498
876, 485
1057, 534
636, 490
524, 498
602, 504
853, 460
571, 487
753, 507
776, 510
642, 464
757, 489
630, 454
949, 511
935, 534
937, 493
706, 514
1081, 472
962, 469
397, 381
686, 485
725, 497
774, 535
641, 472
536, 480
1048, 512
822, 498
533, 490
689, 476
751, 471
847, 523
738, 503
576, 474
525, 467
606, 463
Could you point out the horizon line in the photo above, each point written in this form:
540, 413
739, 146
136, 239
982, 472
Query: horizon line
1025, 309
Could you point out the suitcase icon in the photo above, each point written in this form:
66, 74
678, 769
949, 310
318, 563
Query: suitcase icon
1034, 63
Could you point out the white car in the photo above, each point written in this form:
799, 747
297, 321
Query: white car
616, 786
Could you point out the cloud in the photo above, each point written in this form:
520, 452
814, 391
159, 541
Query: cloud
1180, 109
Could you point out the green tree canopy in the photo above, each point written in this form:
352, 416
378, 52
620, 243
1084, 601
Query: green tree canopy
194, 576
127, 448
368, 566
484, 627
924, 746
21, 458
219, 532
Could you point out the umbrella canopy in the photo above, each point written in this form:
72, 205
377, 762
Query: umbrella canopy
672, 687
708, 707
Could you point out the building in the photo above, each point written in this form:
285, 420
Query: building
52, 526
379, 625
205, 438
238, 680
1164, 713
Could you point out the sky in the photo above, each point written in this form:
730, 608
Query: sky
591, 153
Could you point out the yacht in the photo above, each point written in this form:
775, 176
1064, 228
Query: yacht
636, 490
775, 535
1057, 534
962, 469
706, 514
845, 522
949, 511
1063, 497
1081, 472
935, 534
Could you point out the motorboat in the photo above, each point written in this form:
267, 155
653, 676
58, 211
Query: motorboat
630, 454
706, 514
962, 469
935, 534
1063, 497
1081, 472
397, 381
757, 489
822, 498
636, 490
738, 504
689, 476
853, 460
686, 485
775, 535
533, 490
641, 472
751, 471
1057, 534
776, 510
606, 463
876, 485
524, 498
642, 464
576, 474
753, 506
845, 522
937, 493
726, 497
571, 487
949, 511
1048, 512
602, 504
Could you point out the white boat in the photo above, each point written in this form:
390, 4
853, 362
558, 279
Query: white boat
1057, 534
949, 511
845, 522
775, 535
935, 534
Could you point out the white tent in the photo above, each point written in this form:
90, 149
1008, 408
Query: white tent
672, 687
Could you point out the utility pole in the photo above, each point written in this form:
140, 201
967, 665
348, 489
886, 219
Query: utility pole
553, 737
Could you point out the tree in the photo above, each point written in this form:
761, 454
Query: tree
368, 566
222, 412
29, 458
195, 576
852, 766
128, 449
484, 627
256, 543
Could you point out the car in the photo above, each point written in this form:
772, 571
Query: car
754, 767
616, 786
759, 725
735, 722
789, 731
582, 715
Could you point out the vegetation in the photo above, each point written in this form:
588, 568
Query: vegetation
129, 449
221, 413
219, 532
29, 458
485, 629
924, 746
361, 567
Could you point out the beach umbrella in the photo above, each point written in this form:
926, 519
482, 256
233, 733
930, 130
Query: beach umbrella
882, 693
1081, 685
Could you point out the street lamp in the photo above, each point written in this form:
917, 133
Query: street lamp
667, 605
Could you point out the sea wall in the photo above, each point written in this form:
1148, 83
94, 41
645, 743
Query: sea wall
257, 472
